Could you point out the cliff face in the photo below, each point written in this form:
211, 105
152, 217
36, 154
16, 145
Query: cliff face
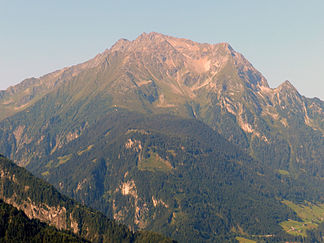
17, 227
55, 216
18, 191
39, 200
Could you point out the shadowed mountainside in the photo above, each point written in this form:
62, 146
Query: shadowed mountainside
41, 201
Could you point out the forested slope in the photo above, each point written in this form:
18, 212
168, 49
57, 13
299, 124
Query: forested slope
39, 200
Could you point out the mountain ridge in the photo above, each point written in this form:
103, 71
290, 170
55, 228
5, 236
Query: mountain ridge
40, 86
99, 58
117, 46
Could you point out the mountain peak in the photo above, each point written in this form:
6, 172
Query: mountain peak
157, 42
151, 35
287, 83
120, 44
287, 86
226, 45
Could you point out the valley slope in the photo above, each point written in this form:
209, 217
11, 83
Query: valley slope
39, 201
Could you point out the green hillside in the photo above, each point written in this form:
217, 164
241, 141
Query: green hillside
174, 176
39, 200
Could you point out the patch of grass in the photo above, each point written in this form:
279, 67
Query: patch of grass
308, 211
297, 228
49, 164
140, 131
311, 214
178, 216
45, 173
171, 151
63, 159
85, 150
155, 163
244, 240
283, 172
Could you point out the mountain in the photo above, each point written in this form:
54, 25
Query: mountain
39, 201
81, 128
162, 74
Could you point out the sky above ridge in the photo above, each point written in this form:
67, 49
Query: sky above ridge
283, 39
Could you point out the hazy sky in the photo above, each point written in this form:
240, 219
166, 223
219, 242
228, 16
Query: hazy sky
283, 39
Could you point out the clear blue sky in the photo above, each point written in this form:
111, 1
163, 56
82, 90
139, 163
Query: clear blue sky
283, 39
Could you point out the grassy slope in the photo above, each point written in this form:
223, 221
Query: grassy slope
311, 216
